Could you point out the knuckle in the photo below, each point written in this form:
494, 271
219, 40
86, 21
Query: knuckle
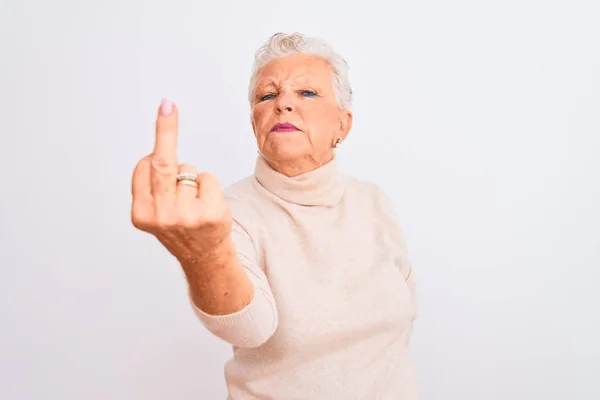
188, 221
187, 168
214, 219
140, 219
167, 224
144, 160
211, 224
137, 222
161, 165
207, 178
168, 220
174, 219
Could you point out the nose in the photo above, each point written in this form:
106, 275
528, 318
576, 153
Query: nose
285, 102
286, 108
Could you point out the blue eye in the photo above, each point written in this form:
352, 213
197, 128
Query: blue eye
308, 93
267, 97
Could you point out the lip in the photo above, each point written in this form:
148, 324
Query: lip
284, 127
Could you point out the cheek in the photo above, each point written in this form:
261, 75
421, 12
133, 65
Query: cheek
256, 118
322, 122
260, 121
315, 116
261, 117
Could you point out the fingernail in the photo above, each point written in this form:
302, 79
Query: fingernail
166, 107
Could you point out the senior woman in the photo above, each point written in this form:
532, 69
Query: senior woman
302, 269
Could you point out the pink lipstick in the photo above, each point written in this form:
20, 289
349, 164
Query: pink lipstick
285, 127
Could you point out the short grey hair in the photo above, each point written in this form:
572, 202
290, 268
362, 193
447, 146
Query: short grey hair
283, 44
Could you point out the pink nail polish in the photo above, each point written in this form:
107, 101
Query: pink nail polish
166, 107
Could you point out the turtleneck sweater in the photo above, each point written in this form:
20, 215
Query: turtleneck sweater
334, 297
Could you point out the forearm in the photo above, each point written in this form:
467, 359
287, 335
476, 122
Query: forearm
217, 280
231, 296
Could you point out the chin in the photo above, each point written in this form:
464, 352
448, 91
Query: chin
285, 150
284, 153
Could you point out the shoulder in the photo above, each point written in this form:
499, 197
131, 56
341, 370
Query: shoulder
240, 194
368, 192
239, 190
245, 202
375, 201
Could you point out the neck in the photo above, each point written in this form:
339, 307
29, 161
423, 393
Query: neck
322, 186
292, 168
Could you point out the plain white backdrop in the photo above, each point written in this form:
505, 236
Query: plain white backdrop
480, 119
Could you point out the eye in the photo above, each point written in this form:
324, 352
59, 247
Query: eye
266, 97
308, 93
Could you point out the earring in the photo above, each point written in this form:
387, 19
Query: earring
337, 143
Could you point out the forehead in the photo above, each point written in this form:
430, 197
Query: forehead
295, 68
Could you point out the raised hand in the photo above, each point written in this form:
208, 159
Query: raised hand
186, 211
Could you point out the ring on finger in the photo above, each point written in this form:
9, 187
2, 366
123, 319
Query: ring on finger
187, 178
189, 183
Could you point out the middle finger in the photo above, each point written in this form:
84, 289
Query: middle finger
164, 156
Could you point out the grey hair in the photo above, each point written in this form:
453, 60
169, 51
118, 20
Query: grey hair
282, 44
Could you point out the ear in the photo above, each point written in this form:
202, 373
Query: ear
252, 123
346, 118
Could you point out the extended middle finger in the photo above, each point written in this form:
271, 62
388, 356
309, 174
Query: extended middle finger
164, 157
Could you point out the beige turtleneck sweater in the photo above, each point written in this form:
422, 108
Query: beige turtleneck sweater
334, 301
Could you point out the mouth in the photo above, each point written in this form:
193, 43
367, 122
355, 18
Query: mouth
284, 127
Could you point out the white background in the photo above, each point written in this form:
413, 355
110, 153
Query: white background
480, 119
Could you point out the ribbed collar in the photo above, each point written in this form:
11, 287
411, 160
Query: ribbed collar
323, 186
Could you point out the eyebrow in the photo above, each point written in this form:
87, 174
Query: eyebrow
272, 81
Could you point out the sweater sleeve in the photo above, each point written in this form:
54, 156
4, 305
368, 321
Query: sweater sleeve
403, 262
254, 324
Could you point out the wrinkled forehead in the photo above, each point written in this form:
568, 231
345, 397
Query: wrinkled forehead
295, 69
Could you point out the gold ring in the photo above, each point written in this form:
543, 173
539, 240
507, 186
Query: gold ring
188, 182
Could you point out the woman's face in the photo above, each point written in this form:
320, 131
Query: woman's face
295, 115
